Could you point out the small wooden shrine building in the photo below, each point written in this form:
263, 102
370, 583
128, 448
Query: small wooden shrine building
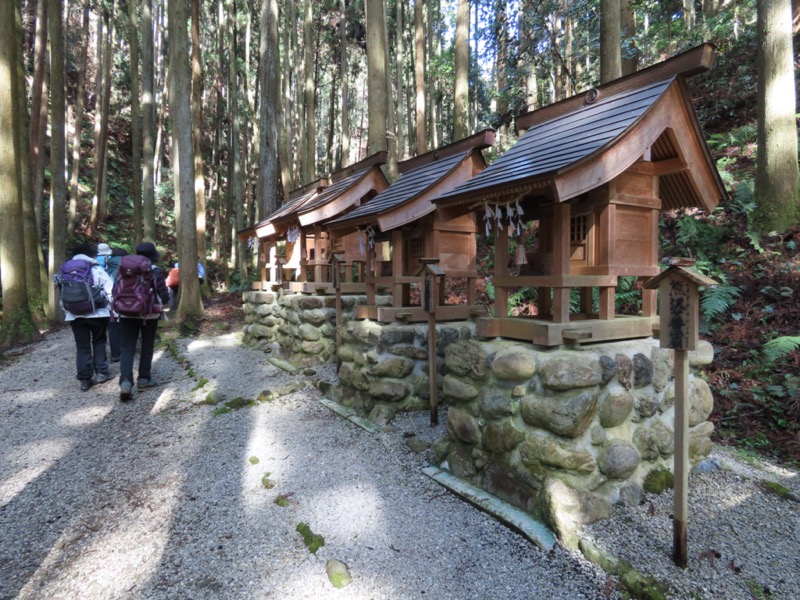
349, 188
594, 171
300, 223
403, 233
278, 268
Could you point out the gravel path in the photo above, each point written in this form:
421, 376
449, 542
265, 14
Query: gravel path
161, 498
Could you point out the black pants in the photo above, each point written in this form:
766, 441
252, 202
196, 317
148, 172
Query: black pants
129, 330
113, 339
90, 341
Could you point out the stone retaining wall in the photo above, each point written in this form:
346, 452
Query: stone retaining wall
565, 434
384, 367
303, 325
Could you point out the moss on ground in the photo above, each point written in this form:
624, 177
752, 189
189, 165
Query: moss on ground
313, 541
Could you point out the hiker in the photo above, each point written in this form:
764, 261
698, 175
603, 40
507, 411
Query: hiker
145, 322
103, 252
201, 271
173, 283
112, 265
89, 321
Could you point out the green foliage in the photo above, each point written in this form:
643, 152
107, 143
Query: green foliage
780, 347
253, 460
266, 482
717, 301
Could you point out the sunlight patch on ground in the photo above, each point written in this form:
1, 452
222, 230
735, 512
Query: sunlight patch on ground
363, 501
168, 397
88, 415
260, 445
228, 340
38, 456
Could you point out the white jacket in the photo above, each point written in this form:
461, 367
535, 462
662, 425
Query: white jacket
102, 279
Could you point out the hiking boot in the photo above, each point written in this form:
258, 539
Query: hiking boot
143, 384
125, 390
101, 378
86, 385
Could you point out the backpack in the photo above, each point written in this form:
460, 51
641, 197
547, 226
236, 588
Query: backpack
79, 295
112, 264
173, 278
135, 288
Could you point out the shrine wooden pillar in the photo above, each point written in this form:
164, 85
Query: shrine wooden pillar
302, 274
501, 270
561, 252
398, 268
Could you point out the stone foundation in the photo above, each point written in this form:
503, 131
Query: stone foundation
565, 434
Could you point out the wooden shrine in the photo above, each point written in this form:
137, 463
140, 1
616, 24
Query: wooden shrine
403, 233
593, 172
296, 228
349, 189
280, 265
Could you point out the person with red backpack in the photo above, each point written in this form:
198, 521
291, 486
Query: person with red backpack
85, 297
139, 297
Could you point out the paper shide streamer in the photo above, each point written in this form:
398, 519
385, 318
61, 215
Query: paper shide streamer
494, 216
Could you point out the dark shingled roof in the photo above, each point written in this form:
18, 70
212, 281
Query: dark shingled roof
407, 187
290, 207
564, 140
334, 190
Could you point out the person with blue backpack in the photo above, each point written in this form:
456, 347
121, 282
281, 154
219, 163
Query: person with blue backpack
139, 296
85, 297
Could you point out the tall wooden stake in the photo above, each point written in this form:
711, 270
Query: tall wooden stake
681, 458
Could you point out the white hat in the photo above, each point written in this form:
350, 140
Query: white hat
103, 250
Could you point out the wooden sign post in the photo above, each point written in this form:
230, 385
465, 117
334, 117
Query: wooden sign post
336, 261
678, 319
432, 279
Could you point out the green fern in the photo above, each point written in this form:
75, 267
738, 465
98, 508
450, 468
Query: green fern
718, 300
780, 347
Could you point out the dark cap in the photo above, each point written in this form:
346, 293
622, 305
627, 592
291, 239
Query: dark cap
86, 249
148, 250
119, 252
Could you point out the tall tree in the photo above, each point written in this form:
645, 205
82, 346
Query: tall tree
148, 123
136, 123
235, 175
39, 109
376, 76
34, 275
17, 324
399, 93
461, 98
776, 163
268, 172
630, 54
197, 129
100, 200
344, 151
182, 158
310, 158
57, 152
610, 53
77, 127
419, 77
284, 112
